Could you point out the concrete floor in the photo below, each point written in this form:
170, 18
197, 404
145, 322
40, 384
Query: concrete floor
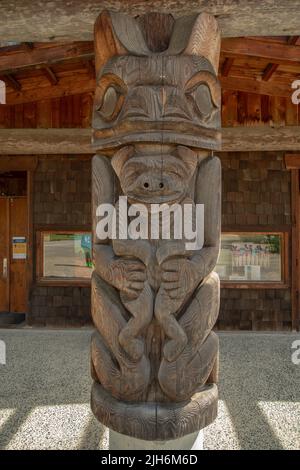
45, 388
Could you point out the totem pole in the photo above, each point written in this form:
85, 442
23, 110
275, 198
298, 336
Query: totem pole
156, 122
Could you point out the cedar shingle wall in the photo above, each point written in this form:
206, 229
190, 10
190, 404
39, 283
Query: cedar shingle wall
256, 192
62, 197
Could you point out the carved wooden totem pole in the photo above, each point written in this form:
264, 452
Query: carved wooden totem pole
156, 121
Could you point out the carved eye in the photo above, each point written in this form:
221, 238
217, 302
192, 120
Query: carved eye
203, 101
111, 104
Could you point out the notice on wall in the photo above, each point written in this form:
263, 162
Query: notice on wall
19, 248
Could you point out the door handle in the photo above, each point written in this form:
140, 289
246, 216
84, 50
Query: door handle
5, 267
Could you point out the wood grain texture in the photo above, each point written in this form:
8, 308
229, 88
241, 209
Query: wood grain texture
156, 421
54, 20
155, 300
78, 141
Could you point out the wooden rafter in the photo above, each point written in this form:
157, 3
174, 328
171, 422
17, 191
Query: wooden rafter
275, 52
46, 55
48, 72
65, 86
293, 40
11, 81
268, 72
248, 85
228, 62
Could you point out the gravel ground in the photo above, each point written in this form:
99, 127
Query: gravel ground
45, 389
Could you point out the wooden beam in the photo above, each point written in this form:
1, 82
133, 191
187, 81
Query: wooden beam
260, 138
78, 141
292, 161
228, 63
276, 52
11, 81
45, 55
65, 87
268, 72
292, 40
73, 20
48, 72
259, 87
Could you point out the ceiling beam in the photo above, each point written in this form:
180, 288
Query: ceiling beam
66, 86
73, 20
276, 52
78, 141
248, 85
39, 56
268, 72
293, 40
228, 63
50, 75
12, 82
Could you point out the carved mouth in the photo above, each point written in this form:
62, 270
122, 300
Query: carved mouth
155, 197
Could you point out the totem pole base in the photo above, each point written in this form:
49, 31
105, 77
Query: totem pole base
160, 422
119, 441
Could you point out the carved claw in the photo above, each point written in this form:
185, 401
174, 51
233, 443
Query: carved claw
174, 347
132, 346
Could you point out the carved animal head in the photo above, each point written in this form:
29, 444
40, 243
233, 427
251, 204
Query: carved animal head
169, 97
157, 178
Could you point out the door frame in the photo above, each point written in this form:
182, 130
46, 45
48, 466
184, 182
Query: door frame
295, 202
28, 164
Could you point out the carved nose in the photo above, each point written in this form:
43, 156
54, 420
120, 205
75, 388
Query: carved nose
153, 185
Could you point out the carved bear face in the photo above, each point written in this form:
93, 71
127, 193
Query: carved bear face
157, 178
172, 97
157, 99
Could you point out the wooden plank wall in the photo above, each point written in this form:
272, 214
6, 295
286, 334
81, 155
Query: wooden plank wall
250, 109
238, 109
67, 111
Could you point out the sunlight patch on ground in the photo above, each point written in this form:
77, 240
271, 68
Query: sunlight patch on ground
220, 435
284, 419
52, 427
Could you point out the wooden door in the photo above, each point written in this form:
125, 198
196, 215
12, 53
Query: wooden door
18, 255
4, 254
13, 254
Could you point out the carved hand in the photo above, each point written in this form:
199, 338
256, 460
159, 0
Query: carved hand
128, 276
179, 276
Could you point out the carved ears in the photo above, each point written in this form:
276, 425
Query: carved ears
189, 158
119, 34
121, 157
197, 35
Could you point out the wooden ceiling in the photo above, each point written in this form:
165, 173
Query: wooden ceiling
37, 71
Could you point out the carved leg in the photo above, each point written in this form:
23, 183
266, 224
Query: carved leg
164, 309
199, 357
142, 311
118, 374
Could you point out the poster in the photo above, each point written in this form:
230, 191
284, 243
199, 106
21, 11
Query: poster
19, 248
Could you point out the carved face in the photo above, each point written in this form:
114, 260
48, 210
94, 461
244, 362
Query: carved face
157, 99
157, 178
